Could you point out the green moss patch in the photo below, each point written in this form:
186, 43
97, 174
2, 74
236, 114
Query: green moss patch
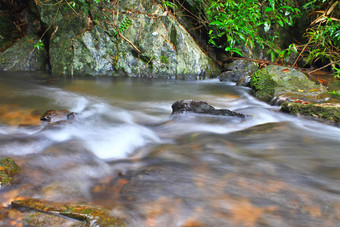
263, 86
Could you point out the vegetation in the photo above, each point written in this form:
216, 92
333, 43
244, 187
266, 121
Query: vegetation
248, 23
323, 34
238, 25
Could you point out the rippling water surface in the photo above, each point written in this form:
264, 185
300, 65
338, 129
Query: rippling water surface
127, 153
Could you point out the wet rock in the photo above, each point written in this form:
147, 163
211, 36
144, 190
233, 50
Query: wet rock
8, 168
22, 56
273, 81
201, 107
239, 71
14, 217
295, 93
53, 116
91, 215
327, 112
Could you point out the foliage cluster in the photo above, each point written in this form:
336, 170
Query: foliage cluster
248, 23
324, 33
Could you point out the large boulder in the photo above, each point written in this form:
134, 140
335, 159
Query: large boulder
150, 42
277, 84
22, 56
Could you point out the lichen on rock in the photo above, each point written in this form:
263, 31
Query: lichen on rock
8, 168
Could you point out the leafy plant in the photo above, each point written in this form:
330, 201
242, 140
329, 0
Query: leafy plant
39, 45
237, 23
124, 25
323, 34
334, 93
171, 5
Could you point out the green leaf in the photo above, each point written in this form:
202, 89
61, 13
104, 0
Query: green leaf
268, 9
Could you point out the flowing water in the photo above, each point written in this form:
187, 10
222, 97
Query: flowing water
127, 153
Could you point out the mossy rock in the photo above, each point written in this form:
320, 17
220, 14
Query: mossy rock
89, 214
326, 112
22, 56
263, 86
272, 81
8, 168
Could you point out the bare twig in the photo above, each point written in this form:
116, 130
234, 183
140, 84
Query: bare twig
325, 66
129, 42
303, 50
72, 8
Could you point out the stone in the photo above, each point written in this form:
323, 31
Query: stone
53, 116
149, 43
201, 107
273, 81
239, 71
8, 168
326, 112
91, 215
22, 56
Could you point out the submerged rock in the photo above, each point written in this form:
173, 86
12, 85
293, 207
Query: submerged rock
273, 81
326, 112
91, 215
201, 107
8, 168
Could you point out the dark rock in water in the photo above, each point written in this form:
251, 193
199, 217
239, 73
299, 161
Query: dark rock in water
52, 116
8, 168
91, 215
201, 107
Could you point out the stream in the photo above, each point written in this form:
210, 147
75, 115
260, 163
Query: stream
127, 153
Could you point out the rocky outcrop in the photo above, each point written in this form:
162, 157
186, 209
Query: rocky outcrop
8, 168
275, 84
22, 56
138, 39
201, 107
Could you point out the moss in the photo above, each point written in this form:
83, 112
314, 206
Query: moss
91, 215
263, 86
164, 59
8, 168
318, 111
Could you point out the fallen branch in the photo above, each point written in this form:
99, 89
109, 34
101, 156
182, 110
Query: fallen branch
325, 66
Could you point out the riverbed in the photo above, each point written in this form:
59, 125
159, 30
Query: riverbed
127, 153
